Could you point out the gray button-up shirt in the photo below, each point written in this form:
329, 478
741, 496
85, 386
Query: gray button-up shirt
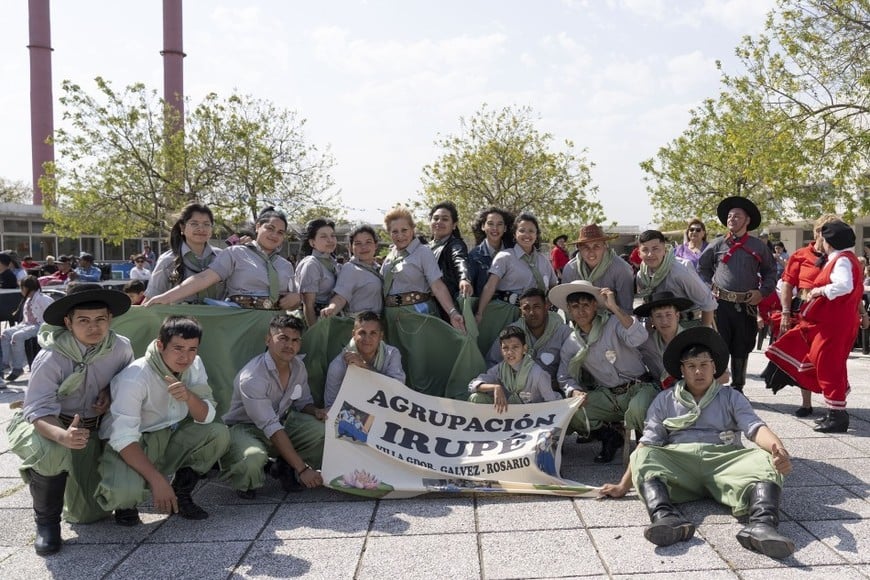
515, 275
313, 276
685, 283
547, 355
416, 272
49, 370
742, 271
360, 287
159, 282
619, 277
245, 272
392, 367
537, 388
259, 398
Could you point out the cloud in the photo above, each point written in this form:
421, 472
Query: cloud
744, 16
686, 72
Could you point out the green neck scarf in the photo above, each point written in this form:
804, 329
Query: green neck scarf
553, 323
599, 270
531, 262
683, 396
648, 282
368, 268
271, 271
576, 363
378, 363
394, 258
158, 365
514, 381
61, 340
325, 260
660, 347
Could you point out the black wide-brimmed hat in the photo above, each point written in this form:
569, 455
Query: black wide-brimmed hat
663, 299
743, 203
700, 335
117, 302
839, 235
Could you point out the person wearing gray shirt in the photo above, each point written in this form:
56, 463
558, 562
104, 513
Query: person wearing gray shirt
600, 265
55, 432
601, 363
691, 449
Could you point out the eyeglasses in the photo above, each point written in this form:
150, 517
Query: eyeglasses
696, 229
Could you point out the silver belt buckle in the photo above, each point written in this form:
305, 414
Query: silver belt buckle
268, 304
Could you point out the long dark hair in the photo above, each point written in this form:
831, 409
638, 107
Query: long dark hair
507, 240
176, 238
454, 215
311, 229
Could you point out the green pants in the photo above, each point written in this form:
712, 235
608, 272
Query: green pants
602, 406
250, 449
488, 399
50, 458
191, 445
695, 470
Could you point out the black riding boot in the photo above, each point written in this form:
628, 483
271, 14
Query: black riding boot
834, 422
738, 373
183, 484
668, 525
762, 334
611, 442
47, 495
760, 533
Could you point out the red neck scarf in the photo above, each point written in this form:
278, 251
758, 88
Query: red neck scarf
739, 244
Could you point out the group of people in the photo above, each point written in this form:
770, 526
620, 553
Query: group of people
98, 428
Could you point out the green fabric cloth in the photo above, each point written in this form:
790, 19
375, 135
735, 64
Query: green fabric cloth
271, 271
648, 282
50, 458
320, 344
231, 338
599, 270
195, 445
59, 339
575, 365
498, 315
693, 471
515, 381
684, 397
438, 359
158, 365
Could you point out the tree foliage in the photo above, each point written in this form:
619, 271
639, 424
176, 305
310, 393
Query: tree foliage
15, 191
790, 131
123, 171
500, 159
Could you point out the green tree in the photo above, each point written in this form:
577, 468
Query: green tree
500, 159
15, 191
121, 171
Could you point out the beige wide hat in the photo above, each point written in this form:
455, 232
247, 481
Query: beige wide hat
559, 294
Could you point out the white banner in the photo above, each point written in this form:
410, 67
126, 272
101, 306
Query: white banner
386, 440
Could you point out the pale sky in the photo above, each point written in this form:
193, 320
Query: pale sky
379, 80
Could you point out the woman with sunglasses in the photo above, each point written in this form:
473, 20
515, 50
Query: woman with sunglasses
694, 244
256, 275
189, 254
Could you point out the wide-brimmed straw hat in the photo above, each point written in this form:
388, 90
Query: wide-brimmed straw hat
117, 302
700, 335
593, 233
743, 203
559, 294
664, 298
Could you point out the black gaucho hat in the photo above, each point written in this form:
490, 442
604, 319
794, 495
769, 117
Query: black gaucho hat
662, 299
701, 335
839, 235
743, 203
117, 302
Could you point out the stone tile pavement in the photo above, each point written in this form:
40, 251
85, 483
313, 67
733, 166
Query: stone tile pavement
325, 534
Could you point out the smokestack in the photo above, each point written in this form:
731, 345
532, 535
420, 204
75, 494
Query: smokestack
41, 99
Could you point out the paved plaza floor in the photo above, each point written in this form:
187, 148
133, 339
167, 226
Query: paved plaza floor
326, 534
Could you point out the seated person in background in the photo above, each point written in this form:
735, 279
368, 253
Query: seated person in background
49, 267
8, 281
32, 308
139, 271
28, 263
600, 362
161, 423
691, 449
545, 333
272, 414
63, 273
366, 350
66, 398
135, 289
87, 272
515, 380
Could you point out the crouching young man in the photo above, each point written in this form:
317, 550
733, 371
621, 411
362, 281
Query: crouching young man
161, 423
272, 414
66, 398
691, 449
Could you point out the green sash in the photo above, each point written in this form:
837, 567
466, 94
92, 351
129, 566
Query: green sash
599, 270
682, 395
530, 261
553, 322
271, 271
576, 363
647, 282
514, 381
394, 258
158, 365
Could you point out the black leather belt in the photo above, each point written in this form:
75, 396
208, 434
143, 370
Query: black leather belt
92, 423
